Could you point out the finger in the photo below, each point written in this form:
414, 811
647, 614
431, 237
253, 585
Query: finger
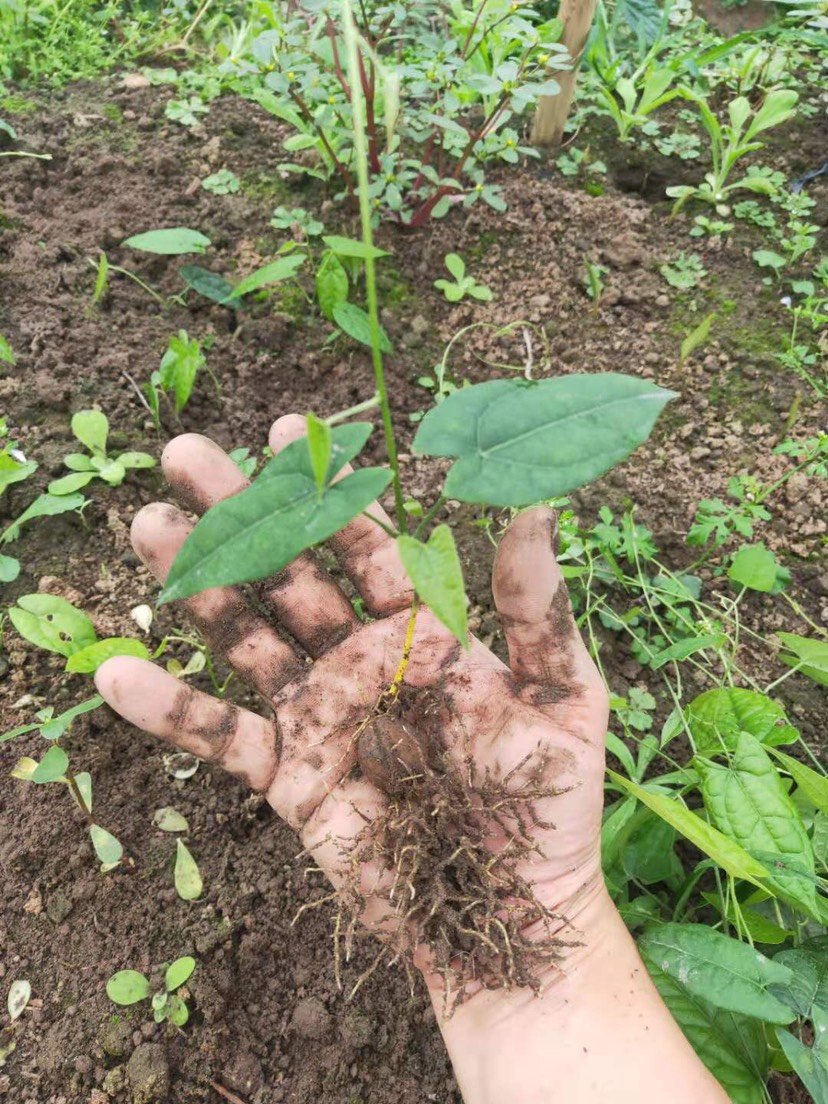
233, 738
367, 554
545, 647
252, 648
304, 597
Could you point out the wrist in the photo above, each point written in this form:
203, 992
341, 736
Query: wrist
598, 1032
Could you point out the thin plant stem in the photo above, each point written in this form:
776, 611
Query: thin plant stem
359, 408
361, 156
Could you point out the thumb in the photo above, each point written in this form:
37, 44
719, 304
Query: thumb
545, 647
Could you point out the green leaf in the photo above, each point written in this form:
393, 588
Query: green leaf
808, 984
9, 568
52, 623
729, 855
179, 366
754, 566
170, 820
210, 285
812, 784
52, 766
319, 446
188, 884
747, 800
223, 182
69, 484
178, 972
716, 718
172, 242
177, 1011
83, 781
351, 247
809, 1063
107, 847
766, 258
127, 987
6, 352
54, 728
331, 284
456, 266
44, 505
259, 531
726, 973
89, 659
521, 442
810, 656
13, 471
777, 107
684, 648
434, 569
356, 323
732, 1046
282, 269
132, 460
91, 427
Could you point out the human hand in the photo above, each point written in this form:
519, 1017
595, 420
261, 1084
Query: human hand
540, 724
523, 745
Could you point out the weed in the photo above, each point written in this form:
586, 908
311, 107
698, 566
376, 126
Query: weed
128, 987
462, 285
91, 428
685, 271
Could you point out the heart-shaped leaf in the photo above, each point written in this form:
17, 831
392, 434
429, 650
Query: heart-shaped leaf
520, 442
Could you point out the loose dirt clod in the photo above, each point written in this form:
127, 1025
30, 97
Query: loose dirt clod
454, 845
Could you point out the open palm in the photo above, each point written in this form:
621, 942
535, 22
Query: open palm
546, 712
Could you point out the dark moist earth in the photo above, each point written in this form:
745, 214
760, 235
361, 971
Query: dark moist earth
269, 1023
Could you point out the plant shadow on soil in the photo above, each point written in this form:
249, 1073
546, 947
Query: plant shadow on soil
269, 1022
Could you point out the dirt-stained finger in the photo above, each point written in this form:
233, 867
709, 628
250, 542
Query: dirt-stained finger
252, 647
304, 598
242, 742
368, 555
545, 647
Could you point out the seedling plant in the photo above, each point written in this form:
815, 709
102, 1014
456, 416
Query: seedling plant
128, 987
91, 428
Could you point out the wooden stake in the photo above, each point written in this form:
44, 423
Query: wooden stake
553, 111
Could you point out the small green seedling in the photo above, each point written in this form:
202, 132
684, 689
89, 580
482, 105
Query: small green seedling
223, 182
696, 339
44, 505
6, 352
595, 274
54, 767
177, 374
130, 986
298, 221
463, 285
685, 272
91, 428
